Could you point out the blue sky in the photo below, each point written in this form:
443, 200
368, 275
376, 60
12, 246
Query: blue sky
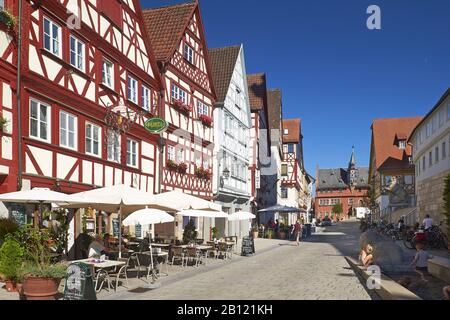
336, 75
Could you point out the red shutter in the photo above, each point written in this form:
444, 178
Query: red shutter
112, 10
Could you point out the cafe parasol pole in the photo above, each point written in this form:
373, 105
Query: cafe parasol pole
120, 231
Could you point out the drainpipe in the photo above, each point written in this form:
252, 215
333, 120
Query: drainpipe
18, 95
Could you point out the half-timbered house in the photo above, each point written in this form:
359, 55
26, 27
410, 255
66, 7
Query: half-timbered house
232, 118
179, 44
89, 81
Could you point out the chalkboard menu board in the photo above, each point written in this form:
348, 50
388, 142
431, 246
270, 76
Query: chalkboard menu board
138, 231
116, 227
19, 215
248, 246
79, 283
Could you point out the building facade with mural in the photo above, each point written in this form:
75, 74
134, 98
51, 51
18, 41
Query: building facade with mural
392, 171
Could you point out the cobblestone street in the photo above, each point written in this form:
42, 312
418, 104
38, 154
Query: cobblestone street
315, 270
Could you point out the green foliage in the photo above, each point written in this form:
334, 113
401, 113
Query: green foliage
270, 233
11, 254
7, 226
447, 203
215, 233
337, 208
8, 19
190, 234
56, 271
60, 232
3, 122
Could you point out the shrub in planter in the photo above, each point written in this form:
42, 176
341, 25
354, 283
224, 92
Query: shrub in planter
7, 226
215, 233
182, 168
11, 254
171, 165
207, 121
7, 19
41, 277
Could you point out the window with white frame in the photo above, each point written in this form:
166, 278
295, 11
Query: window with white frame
324, 202
132, 90
113, 146
77, 53
202, 109
108, 73
170, 153
132, 150
180, 156
284, 193
402, 144
67, 130
350, 201
39, 120
146, 98
93, 136
179, 94
189, 53
52, 37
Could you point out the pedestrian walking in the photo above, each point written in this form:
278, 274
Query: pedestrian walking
297, 232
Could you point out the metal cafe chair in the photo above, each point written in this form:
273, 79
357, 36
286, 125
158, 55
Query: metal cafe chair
122, 271
178, 254
193, 254
223, 250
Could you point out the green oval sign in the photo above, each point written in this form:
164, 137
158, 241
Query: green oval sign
156, 125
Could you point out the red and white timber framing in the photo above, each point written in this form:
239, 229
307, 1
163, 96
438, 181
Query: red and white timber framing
187, 134
112, 31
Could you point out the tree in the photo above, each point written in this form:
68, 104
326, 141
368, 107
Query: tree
447, 203
190, 234
337, 209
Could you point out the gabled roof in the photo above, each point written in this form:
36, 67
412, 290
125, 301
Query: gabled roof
294, 131
223, 62
166, 26
438, 104
257, 91
274, 105
338, 178
385, 132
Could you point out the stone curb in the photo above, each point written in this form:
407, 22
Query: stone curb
390, 290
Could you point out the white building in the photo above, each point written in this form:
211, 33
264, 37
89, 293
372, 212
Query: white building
431, 155
232, 119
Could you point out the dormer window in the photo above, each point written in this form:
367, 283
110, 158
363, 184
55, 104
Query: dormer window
402, 144
286, 132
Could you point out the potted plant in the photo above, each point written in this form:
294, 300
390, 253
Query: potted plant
255, 232
11, 253
3, 122
181, 106
215, 233
41, 277
206, 120
182, 168
269, 234
8, 19
171, 165
7, 226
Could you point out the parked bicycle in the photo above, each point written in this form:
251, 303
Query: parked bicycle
432, 238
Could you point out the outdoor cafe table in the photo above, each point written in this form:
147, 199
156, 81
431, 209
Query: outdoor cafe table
103, 265
164, 255
165, 246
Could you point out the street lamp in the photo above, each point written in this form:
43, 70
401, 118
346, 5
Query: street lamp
226, 173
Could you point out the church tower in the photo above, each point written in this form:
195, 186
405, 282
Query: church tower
352, 170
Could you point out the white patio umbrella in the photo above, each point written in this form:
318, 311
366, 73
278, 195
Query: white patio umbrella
203, 214
241, 216
119, 198
39, 196
178, 201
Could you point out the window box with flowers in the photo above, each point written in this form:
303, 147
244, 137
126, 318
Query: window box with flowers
202, 173
3, 123
182, 168
181, 106
206, 120
7, 19
171, 165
